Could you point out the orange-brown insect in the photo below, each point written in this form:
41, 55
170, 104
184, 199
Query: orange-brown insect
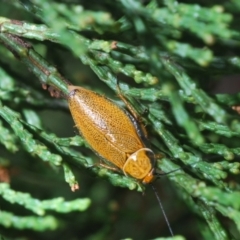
112, 133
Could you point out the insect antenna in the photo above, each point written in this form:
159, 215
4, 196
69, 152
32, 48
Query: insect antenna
159, 174
162, 209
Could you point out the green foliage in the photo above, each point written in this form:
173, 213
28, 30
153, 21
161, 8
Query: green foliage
169, 58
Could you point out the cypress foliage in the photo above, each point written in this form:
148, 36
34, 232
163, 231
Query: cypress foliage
177, 64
